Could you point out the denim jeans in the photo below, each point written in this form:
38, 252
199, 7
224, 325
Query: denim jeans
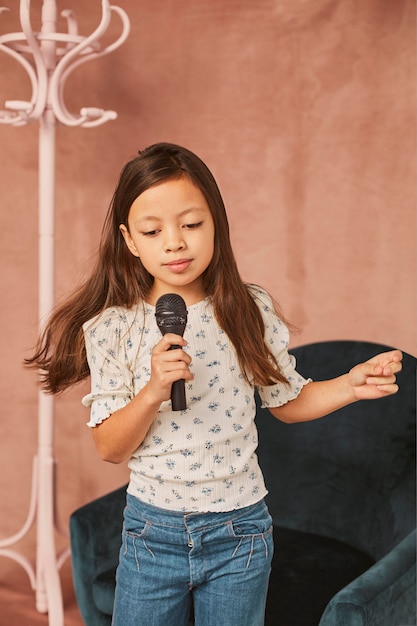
222, 559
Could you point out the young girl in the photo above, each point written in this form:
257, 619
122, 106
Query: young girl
195, 521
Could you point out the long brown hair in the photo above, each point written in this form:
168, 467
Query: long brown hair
120, 279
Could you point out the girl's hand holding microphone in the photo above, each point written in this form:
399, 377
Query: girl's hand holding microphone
168, 365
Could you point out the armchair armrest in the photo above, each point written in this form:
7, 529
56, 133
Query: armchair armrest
384, 595
95, 534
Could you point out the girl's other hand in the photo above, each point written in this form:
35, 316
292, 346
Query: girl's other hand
376, 378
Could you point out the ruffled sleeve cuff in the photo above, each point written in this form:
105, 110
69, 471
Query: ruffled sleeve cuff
103, 406
279, 394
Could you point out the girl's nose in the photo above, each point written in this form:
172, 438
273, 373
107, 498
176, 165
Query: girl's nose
174, 242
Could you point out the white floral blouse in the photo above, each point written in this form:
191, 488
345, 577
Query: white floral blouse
201, 459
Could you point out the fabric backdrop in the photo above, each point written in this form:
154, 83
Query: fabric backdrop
304, 111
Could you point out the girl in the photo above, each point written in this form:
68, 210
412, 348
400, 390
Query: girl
195, 521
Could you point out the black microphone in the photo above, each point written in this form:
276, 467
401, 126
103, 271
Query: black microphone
171, 317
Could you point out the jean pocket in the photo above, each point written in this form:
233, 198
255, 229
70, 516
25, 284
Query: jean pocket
249, 529
136, 528
258, 523
252, 536
134, 525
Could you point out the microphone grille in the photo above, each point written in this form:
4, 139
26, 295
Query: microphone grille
170, 303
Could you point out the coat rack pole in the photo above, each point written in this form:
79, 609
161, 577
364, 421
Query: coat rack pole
47, 577
48, 58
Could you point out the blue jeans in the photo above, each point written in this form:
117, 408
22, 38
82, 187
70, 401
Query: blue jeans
222, 559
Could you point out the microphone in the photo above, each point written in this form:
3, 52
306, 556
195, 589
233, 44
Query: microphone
171, 317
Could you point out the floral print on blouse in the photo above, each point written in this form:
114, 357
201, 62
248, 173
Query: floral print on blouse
201, 459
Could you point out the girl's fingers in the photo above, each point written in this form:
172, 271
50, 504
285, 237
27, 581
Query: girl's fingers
387, 389
169, 340
387, 360
380, 380
386, 369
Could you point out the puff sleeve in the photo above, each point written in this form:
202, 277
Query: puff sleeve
277, 338
107, 341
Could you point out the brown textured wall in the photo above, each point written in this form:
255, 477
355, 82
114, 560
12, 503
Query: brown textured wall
305, 112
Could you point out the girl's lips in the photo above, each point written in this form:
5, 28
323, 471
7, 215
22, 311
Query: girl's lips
179, 266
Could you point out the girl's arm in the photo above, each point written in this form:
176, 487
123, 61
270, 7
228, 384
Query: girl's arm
367, 381
118, 436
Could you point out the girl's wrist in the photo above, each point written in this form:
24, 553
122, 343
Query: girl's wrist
149, 401
351, 395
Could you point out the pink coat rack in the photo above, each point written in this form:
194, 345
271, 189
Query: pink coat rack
49, 57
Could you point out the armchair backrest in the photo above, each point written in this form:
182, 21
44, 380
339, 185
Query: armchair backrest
350, 475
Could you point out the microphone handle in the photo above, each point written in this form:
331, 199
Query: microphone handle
178, 400
178, 395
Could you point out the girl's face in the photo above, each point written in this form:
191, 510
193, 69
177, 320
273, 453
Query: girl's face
171, 229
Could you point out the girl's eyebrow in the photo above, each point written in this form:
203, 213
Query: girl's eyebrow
154, 218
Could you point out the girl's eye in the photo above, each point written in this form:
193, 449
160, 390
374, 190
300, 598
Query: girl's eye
150, 233
191, 226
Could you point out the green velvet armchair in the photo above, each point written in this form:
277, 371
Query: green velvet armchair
342, 497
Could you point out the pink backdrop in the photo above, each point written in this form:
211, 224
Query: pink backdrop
304, 111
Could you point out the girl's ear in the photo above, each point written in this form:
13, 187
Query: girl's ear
128, 240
